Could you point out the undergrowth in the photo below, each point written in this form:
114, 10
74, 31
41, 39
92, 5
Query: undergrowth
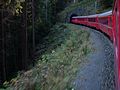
56, 68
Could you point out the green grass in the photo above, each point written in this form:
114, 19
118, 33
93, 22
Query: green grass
56, 68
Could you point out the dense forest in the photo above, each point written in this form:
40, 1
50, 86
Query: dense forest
23, 25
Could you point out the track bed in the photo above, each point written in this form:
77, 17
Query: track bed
98, 72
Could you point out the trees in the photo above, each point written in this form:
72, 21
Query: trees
106, 3
23, 24
16, 44
13, 6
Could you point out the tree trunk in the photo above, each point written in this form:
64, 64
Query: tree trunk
46, 2
3, 48
33, 24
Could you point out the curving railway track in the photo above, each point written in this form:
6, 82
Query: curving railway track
108, 23
97, 73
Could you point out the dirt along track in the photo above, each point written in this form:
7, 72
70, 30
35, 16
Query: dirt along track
98, 72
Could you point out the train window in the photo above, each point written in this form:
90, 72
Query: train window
103, 20
110, 23
91, 19
82, 19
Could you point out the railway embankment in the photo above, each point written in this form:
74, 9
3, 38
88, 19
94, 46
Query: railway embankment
60, 55
98, 72
70, 57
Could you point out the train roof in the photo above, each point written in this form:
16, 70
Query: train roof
108, 13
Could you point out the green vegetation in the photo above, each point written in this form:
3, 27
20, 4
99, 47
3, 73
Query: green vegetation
61, 49
87, 5
104, 5
13, 6
25, 26
67, 45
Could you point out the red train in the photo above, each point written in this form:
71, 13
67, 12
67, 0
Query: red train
108, 23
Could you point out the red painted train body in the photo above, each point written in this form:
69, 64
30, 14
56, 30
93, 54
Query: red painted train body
102, 22
116, 39
109, 23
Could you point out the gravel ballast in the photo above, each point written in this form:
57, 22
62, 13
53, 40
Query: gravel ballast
98, 72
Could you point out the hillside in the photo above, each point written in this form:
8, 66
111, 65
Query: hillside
59, 53
67, 45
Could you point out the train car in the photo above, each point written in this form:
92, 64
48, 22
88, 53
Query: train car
102, 22
108, 23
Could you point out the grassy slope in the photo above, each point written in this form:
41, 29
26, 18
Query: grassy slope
56, 68
63, 50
